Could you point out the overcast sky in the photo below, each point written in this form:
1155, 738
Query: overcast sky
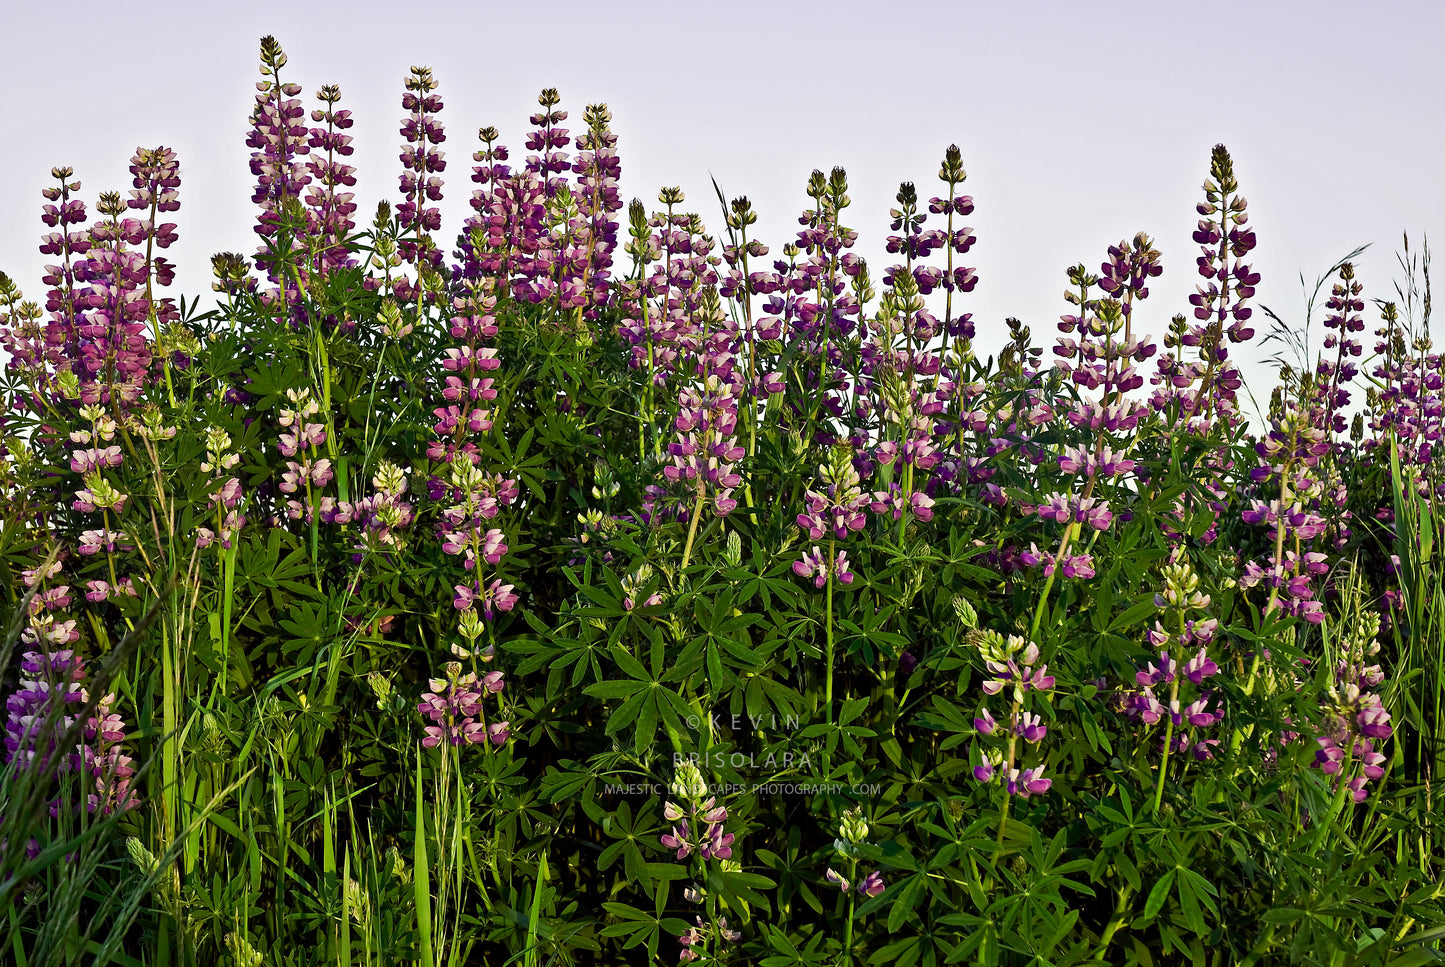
1080, 123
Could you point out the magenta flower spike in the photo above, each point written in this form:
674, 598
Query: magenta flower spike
453, 706
1017, 674
422, 163
278, 136
51, 687
330, 209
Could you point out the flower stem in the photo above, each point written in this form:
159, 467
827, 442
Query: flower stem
1168, 744
828, 624
852, 904
1115, 923
692, 525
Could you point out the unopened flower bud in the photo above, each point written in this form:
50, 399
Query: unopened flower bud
688, 783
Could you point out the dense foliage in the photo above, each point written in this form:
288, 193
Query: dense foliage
602, 590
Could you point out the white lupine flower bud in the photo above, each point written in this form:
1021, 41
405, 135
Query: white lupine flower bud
688, 783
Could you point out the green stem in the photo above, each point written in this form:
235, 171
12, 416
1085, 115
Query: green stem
828, 624
1003, 815
1341, 794
1115, 923
1168, 742
1049, 581
692, 524
905, 495
852, 905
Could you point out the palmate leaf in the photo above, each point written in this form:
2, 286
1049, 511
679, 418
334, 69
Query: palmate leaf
639, 928
820, 949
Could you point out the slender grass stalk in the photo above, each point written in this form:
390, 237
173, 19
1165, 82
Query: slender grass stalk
421, 878
534, 914
344, 929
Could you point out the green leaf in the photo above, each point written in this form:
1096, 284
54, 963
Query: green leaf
1134, 614
904, 902
614, 689
1158, 896
1190, 904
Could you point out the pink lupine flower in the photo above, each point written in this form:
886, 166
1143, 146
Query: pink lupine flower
1373, 721
86, 461
1030, 727
453, 704
494, 546
95, 541
872, 884
1164, 673
814, 565
678, 840
1028, 782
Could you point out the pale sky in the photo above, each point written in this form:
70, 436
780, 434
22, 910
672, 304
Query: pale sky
1080, 123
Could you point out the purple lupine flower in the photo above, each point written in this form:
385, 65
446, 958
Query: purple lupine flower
697, 936
1017, 673
838, 509
329, 208
156, 180
111, 768
50, 681
871, 885
1372, 719
713, 842
704, 450
891, 502
1028, 782
1410, 412
1030, 727
815, 565
278, 136
46, 354
100, 591
382, 517
1180, 594
984, 770
422, 164
113, 354
679, 840
307, 473
1295, 444
719, 844
51, 687
475, 497
663, 306
1200, 667
582, 242
1201, 395
453, 705
691, 937
1163, 674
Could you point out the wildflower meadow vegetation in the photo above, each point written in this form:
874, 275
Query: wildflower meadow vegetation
594, 582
